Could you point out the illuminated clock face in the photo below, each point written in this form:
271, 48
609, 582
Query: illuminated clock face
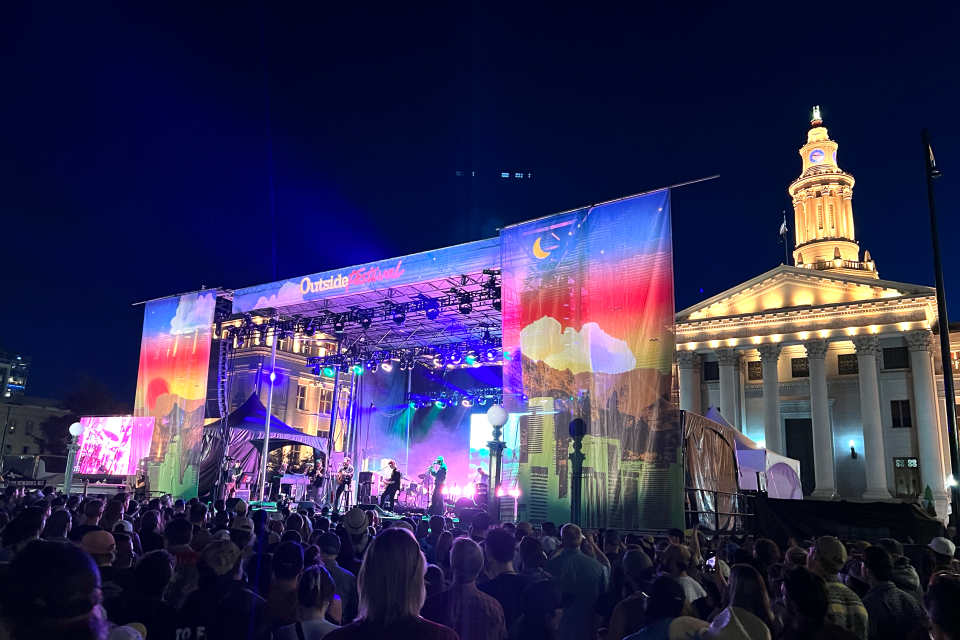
816, 156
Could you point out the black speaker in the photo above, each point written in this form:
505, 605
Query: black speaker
310, 507
366, 477
371, 507
467, 514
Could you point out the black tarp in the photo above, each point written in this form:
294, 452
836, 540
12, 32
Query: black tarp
807, 519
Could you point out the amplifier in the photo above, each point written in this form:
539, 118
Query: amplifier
366, 477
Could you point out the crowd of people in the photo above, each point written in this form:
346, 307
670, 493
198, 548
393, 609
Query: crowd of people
114, 568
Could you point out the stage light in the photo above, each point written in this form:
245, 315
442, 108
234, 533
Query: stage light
432, 310
339, 325
490, 354
357, 369
310, 330
443, 490
273, 376
467, 402
506, 355
465, 307
470, 490
328, 372
414, 405
399, 317
515, 492
456, 491
439, 404
403, 365
371, 364
386, 366
439, 361
482, 400
497, 304
365, 323
456, 357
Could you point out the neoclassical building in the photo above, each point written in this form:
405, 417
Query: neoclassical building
822, 360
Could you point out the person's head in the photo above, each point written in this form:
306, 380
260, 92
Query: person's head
51, 590
150, 522
423, 529
179, 506
548, 529
219, 560
391, 581
747, 590
893, 547
314, 593
93, 511
101, 546
827, 556
571, 536
434, 580
531, 553
611, 541
153, 573
766, 551
500, 547
73, 502
124, 551
665, 600
57, 525
294, 522
795, 557
392, 464
347, 461
942, 550
466, 560
436, 526
442, 550
636, 566
178, 532
877, 565
198, 513
805, 595
329, 544
941, 600
112, 512
320, 523
287, 561
291, 536
675, 560
676, 536
480, 524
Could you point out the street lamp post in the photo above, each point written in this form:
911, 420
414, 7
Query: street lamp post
497, 416
76, 430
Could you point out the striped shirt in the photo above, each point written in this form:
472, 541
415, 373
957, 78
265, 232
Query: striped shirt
846, 609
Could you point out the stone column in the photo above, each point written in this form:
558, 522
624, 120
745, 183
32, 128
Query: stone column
868, 350
929, 441
769, 355
823, 465
729, 358
688, 362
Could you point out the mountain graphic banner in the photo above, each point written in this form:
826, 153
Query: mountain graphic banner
172, 386
588, 332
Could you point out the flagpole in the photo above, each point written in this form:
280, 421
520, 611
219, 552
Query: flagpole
786, 247
944, 326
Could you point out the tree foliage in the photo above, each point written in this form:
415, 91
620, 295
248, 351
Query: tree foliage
91, 398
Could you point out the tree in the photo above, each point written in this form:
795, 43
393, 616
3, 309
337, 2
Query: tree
92, 398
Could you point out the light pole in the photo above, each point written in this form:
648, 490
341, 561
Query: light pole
274, 324
76, 430
497, 416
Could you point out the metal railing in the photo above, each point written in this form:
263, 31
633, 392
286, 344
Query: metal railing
718, 511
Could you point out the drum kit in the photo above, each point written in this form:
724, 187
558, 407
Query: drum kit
416, 494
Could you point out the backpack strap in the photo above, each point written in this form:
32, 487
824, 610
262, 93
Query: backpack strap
300, 634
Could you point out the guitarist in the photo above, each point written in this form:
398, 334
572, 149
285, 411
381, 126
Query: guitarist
440, 478
344, 482
389, 495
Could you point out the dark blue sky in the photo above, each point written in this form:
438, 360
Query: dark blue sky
134, 142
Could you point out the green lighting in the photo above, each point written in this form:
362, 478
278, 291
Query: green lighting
471, 359
357, 370
506, 355
413, 405
328, 372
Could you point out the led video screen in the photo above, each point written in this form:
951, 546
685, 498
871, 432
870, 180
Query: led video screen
113, 445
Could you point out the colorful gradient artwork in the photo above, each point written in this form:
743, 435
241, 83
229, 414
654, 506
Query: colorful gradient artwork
113, 445
172, 386
588, 320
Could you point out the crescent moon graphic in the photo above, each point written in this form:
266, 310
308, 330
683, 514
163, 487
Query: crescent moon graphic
537, 251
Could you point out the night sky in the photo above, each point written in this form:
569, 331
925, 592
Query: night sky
136, 148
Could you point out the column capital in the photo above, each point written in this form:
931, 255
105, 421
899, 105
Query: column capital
769, 352
727, 356
688, 360
919, 340
816, 349
867, 346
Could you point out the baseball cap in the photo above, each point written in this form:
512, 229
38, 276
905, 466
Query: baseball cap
355, 522
123, 526
242, 523
240, 507
831, 552
220, 556
943, 546
288, 554
329, 543
98, 542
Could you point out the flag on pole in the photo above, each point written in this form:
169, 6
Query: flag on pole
783, 228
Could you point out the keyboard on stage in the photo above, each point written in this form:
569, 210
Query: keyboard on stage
295, 479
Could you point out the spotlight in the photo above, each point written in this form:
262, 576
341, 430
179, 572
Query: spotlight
490, 354
496, 304
371, 364
403, 365
240, 341
357, 369
432, 309
339, 325
515, 492
465, 307
414, 404
456, 357
439, 404
365, 323
467, 402
399, 317
386, 366
482, 400
471, 359
328, 372
310, 331
506, 355
439, 360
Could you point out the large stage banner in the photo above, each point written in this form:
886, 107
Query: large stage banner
172, 386
588, 332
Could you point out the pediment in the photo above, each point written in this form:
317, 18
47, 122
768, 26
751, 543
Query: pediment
790, 287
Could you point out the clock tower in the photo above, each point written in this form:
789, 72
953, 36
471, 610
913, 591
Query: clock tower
823, 210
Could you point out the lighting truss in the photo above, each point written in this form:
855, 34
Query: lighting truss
487, 350
441, 399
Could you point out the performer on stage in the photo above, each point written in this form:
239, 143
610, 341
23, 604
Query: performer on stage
440, 477
482, 477
389, 496
344, 482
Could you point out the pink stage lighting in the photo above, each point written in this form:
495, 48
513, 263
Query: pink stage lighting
455, 491
113, 445
444, 490
469, 490
515, 492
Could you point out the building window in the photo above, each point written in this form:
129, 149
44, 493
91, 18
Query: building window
896, 358
820, 215
955, 360
29, 430
900, 409
800, 367
832, 224
755, 370
302, 397
711, 371
13, 426
26, 449
848, 364
906, 477
6, 449
326, 400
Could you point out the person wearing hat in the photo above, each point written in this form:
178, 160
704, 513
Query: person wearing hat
825, 558
220, 576
675, 563
904, 574
627, 616
281, 595
664, 615
439, 479
942, 552
102, 547
344, 582
541, 607
891, 613
356, 525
